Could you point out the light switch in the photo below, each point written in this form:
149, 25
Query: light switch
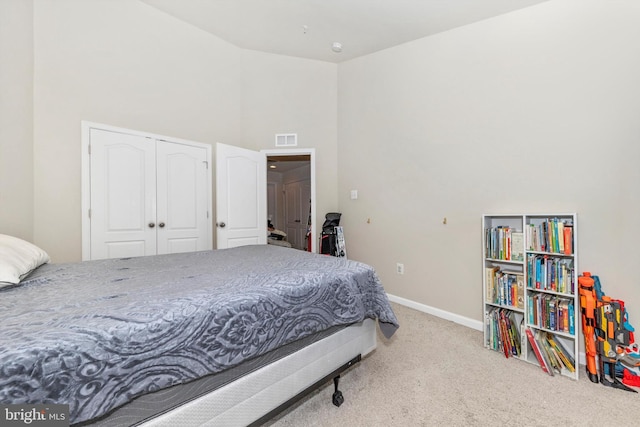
354, 194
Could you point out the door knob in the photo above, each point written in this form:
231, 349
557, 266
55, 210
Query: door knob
221, 224
151, 225
161, 225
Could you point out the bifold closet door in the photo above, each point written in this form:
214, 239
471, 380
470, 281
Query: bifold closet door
123, 195
148, 196
182, 223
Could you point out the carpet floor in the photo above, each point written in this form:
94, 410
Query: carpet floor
434, 372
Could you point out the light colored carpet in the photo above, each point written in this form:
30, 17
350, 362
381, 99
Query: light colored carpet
436, 373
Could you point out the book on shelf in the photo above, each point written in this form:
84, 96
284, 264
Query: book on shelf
554, 362
511, 338
537, 351
514, 329
552, 235
563, 354
560, 236
551, 357
490, 279
493, 334
505, 338
510, 286
552, 312
572, 325
520, 290
503, 332
550, 273
568, 239
517, 246
498, 242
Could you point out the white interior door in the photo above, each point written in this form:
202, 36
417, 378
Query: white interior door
305, 211
298, 203
182, 198
241, 200
123, 190
293, 220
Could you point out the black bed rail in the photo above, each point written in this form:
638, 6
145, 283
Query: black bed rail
335, 375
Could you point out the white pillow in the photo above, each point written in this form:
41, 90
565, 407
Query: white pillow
18, 258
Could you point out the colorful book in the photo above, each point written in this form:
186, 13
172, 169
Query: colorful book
568, 239
537, 352
515, 334
565, 357
545, 351
520, 290
506, 338
572, 324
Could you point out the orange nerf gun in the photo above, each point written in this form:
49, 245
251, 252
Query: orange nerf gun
588, 302
606, 335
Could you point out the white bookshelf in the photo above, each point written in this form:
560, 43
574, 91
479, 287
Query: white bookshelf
530, 282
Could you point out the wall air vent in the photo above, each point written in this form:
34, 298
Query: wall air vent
286, 139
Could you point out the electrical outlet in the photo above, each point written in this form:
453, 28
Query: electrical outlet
400, 268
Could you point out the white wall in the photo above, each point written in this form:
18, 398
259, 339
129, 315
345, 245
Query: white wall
531, 111
290, 95
16, 118
534, 111
126, 64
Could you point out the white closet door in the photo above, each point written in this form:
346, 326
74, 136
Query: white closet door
241, 198
182, 185
123, 188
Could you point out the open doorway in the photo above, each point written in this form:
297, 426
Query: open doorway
291, 198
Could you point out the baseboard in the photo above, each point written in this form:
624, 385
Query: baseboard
465, 321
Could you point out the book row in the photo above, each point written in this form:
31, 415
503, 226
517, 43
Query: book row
552, 313
551, 235
505, 334
550, 273
504, 243
504, 287
503, 331
552, 355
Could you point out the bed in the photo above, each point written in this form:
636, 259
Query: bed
222, 337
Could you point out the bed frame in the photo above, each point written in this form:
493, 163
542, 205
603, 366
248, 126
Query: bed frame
260, 395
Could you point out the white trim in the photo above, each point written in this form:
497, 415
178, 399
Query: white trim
85, 185
464, 321
312, 154
85, 190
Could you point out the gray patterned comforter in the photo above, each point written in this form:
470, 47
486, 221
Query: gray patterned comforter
97, 334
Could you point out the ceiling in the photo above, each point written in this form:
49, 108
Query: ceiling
308, 28
287, 163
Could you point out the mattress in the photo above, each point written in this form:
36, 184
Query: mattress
99, 334
149, 406
243, 401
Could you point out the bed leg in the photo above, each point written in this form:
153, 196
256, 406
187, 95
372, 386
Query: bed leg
338, 398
